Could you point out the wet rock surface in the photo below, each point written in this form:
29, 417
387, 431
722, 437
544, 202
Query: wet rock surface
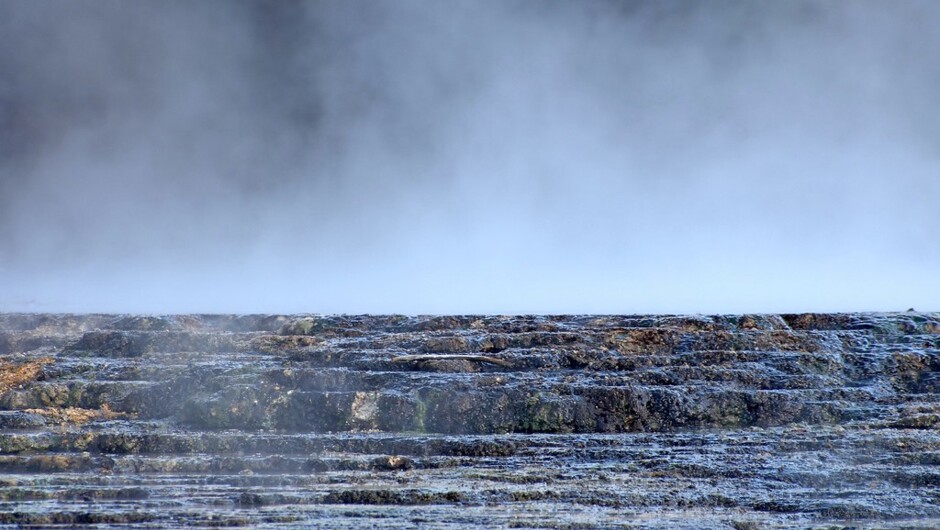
754, 421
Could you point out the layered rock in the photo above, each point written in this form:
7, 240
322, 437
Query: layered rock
747, 421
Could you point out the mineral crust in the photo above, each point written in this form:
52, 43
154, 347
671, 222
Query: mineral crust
727, 421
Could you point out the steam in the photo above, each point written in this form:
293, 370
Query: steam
477, 156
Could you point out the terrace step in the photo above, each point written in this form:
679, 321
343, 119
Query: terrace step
763, 421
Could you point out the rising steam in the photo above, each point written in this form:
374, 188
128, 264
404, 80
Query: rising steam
469, 156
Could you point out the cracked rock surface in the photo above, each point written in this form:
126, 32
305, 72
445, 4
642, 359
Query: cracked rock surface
731, 421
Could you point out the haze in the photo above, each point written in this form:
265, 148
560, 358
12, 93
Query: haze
469, 156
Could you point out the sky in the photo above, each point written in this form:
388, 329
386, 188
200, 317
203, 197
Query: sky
469, 156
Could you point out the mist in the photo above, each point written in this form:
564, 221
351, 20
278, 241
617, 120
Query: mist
469, 156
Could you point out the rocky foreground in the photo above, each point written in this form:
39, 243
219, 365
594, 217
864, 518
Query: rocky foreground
740, 422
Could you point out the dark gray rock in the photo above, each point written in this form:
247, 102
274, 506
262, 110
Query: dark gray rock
721, 421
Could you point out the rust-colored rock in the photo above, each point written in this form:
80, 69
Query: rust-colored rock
16, 374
